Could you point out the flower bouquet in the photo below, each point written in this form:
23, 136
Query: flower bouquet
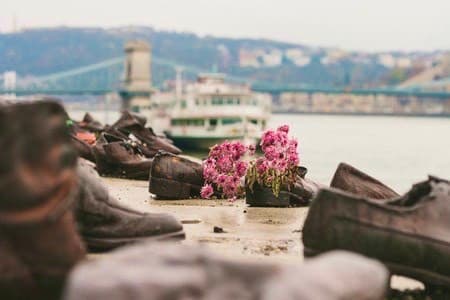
275, 179
270, 178
224, 169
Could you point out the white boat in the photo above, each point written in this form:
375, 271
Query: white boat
211, 111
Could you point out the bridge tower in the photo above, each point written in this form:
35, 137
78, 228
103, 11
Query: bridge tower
137, 87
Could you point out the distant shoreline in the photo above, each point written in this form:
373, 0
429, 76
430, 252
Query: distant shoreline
362, 114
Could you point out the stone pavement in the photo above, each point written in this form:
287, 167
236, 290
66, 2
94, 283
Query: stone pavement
248, 232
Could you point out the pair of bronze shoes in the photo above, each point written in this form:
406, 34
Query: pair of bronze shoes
175, 177
409, 233
124, 149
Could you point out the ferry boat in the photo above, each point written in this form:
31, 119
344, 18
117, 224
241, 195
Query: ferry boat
211, 111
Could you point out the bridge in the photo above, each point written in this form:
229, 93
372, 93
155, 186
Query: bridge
105, 77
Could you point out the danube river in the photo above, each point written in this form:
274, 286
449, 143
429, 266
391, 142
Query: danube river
397, 150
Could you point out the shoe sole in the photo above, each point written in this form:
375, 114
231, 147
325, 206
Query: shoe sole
170, 189
424, 276
105, 244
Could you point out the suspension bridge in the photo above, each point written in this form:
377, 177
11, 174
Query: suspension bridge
106, 76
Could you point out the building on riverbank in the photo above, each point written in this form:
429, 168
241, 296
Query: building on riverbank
352, 103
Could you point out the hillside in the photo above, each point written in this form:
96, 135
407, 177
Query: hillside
48, 50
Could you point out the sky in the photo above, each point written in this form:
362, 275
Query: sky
376, 25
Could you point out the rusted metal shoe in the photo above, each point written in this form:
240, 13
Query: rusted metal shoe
105, 224
410, 234
299, 194
352, 180
121, 158
132, 126
174, 177
161, 271
39, 242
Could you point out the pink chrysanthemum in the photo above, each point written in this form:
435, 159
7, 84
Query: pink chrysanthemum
279, 164
224, 168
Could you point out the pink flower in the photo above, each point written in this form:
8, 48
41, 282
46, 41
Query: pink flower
221, 179
241, 168
280, 158
209, 173
224, 164
270, 152
224, 168
284, 128
232, 199
261, 167
207, 191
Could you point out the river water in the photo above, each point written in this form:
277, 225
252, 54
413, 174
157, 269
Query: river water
397, 150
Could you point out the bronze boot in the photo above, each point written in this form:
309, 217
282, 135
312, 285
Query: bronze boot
105, 224
39, 242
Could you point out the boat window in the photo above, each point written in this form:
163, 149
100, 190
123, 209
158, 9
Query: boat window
183, 104
230, 101
213, 122
198, 122
195, 122
187, 122
226, 121
253, 121
175, 122
218, 101
238, 101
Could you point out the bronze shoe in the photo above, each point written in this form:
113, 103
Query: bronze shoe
39, 242
131, 126
105, 224
410, 234
174, 177
119, 158
352, 180
299, 194
161, 271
